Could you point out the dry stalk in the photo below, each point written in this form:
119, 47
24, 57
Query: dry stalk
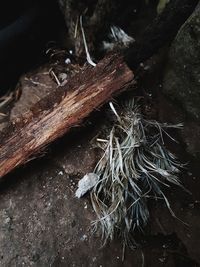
135, 166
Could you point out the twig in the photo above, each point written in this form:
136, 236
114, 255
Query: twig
89, 60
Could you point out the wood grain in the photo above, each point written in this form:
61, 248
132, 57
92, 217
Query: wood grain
67, 106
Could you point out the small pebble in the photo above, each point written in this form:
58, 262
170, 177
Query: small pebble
84, 238
67, 61
94, 259
62, 76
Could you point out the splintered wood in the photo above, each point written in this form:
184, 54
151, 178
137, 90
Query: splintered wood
65, 107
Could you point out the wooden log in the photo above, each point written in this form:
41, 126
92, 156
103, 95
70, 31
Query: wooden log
54, 115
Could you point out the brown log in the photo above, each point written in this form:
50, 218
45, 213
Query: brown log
54, 115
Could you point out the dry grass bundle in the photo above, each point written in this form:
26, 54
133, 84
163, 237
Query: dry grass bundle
135, 166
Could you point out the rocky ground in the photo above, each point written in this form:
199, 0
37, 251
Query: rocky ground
41, 221
43, 224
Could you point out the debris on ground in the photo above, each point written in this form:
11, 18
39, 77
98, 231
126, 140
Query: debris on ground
86, 184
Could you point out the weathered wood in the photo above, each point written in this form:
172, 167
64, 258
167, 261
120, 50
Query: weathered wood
64, 108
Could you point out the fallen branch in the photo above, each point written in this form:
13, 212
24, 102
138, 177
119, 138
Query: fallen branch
57, 113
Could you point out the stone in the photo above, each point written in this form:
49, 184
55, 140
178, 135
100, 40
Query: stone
182, 76
86, 184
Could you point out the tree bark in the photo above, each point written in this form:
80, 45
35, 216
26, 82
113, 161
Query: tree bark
54, 115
